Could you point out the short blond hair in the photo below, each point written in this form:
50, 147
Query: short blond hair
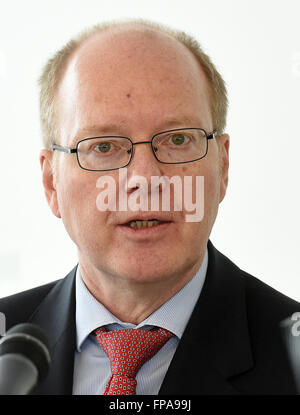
53, 71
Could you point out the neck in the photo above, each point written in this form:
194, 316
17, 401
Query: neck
133, 301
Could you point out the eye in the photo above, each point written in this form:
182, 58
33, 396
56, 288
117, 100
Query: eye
103, 147
178, 139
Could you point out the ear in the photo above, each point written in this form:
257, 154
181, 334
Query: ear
223, 144
49, 184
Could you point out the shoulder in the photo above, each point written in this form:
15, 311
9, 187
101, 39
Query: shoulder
265, 308
267, 312
253, 314
261, 299
265, 301
19, 307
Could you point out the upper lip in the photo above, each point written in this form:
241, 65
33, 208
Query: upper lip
147, 216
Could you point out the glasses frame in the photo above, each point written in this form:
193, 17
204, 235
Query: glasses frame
209, 136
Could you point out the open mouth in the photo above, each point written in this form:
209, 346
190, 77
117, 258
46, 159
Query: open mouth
142, 224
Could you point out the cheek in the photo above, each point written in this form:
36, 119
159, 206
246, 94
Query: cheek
208, 187
212, 186
211, 178
77, 195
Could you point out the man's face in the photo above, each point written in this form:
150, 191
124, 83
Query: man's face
135, 85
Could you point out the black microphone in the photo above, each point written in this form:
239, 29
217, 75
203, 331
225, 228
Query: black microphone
24, 359
290, 331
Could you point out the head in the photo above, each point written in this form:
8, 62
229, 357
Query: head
132, 79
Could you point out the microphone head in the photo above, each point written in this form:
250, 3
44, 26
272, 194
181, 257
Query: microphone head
290, 332
31, 342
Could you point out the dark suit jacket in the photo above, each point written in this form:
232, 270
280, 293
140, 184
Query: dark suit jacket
231, 345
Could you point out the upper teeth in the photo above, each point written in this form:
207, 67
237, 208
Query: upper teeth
143, 223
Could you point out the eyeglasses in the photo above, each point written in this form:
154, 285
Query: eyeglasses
183, 145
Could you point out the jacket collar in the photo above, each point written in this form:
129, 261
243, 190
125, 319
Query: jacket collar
214, 347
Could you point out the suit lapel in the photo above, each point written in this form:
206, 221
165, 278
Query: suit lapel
56, 316
216, 344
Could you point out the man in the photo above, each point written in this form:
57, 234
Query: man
141, 99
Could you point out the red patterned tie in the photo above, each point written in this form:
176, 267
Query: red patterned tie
128, 350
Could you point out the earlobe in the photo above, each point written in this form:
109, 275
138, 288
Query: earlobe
49, 182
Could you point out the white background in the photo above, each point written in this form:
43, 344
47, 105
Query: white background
256, 47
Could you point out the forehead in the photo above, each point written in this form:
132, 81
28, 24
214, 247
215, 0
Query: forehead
131, 76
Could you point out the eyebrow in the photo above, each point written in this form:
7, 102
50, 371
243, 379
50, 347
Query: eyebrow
166, 124
180, 122
97, 129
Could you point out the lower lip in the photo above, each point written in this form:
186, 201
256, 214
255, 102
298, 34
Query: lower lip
145, 232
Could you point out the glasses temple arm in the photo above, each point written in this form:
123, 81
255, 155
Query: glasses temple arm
212, 135
64, 149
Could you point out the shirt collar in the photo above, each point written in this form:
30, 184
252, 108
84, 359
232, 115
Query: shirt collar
172, 315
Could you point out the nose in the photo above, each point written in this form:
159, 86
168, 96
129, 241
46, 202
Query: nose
143, 162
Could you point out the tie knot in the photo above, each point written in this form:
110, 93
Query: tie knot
129, 349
